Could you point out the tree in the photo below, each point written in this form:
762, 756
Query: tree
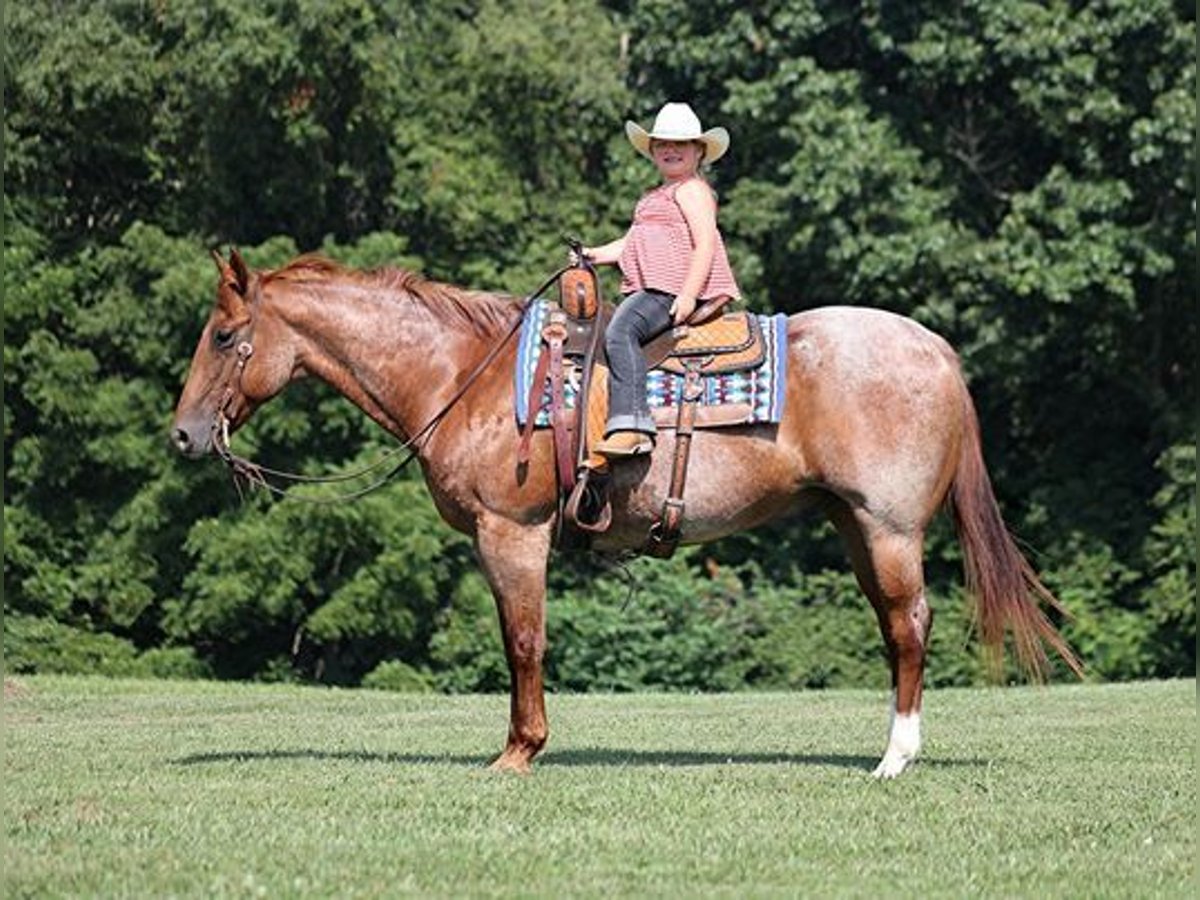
1018, 177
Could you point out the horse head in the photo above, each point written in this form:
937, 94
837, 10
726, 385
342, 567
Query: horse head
240, 362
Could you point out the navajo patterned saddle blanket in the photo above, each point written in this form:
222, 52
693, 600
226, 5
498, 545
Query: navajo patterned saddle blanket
754, 395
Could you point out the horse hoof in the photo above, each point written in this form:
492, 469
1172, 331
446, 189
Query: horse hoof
510, 763
891, 766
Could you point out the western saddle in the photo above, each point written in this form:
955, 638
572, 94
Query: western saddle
711, 342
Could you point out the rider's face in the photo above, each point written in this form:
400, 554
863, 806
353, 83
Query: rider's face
676, 159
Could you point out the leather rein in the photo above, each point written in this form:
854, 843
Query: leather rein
259, 476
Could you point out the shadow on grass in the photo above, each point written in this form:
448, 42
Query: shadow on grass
365, 756
594, 756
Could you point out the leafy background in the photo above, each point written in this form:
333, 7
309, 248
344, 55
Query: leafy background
1017, 176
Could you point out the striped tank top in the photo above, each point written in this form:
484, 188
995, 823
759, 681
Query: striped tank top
658, 248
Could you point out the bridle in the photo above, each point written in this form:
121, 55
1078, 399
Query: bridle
253, 475
220, 424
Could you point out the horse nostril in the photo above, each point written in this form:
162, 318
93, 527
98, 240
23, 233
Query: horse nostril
183, 442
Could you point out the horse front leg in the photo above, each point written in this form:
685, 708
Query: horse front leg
513, 557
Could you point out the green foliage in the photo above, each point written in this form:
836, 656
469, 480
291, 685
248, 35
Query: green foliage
339, 587
172, 662
398, 676
667, 626
1112, 637
91, 496
466, 651
47, 646
667, 631
1170, 554
1019, 177
825, 637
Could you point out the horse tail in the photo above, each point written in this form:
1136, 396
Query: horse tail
1008, 593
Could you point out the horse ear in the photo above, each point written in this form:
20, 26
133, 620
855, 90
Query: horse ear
232, 301
234, 273
222, 266
240, 270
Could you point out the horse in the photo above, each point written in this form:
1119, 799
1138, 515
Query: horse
878, 432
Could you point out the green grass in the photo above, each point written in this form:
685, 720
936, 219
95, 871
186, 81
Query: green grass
122, 788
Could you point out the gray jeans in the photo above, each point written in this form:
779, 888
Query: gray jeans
641, 316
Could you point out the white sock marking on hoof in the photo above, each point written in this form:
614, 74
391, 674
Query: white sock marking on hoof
904, 740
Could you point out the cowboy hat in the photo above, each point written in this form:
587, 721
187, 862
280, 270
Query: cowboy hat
677, 122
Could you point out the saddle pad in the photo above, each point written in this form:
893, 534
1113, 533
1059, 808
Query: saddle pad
755, 395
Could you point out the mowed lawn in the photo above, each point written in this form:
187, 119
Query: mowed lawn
125, 788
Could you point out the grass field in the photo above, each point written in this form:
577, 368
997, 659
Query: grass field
119, 788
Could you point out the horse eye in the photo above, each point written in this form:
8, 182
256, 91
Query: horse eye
223, 338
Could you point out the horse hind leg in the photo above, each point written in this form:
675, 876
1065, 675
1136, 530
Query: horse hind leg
888, 566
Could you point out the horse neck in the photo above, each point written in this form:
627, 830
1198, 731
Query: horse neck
389, 353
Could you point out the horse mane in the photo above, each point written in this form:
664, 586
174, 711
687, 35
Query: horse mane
484, 313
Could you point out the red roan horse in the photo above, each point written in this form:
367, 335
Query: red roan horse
878, 432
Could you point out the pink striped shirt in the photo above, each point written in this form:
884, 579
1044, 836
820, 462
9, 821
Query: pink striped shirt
658, 249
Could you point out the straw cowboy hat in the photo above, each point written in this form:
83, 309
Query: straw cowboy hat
677, 122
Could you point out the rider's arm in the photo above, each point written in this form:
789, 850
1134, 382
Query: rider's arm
606, 254
699, 208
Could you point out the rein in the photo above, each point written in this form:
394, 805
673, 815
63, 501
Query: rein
256, 475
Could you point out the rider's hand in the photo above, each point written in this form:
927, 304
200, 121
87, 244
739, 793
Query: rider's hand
682, 309
573, 257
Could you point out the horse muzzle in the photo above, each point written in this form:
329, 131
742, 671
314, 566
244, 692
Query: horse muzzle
192, 437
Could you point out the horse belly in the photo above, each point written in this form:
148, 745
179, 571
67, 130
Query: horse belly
735, 481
